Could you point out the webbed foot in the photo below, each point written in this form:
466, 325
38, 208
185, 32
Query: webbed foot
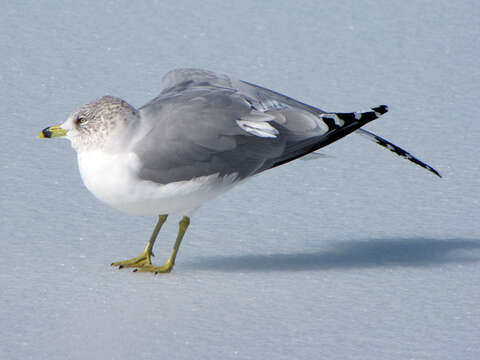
140, 261
166, 268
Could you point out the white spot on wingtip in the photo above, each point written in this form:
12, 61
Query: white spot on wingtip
339, 122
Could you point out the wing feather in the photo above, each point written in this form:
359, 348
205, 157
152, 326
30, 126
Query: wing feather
203, 123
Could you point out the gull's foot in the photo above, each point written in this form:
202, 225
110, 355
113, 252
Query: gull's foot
140, 261
156, 269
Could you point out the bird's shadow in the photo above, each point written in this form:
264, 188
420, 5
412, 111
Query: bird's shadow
372, 253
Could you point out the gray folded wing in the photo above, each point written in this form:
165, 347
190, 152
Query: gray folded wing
203, 124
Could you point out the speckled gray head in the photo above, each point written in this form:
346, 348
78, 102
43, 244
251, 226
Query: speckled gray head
96, 125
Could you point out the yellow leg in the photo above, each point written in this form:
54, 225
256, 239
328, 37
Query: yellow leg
168, 266
144, 258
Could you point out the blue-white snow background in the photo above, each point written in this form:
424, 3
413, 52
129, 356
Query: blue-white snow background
360, 255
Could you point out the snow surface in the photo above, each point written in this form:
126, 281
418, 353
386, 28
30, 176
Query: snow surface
357, 255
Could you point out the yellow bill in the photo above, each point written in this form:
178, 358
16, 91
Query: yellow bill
52, 132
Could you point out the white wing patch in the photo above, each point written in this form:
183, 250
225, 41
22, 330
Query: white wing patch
258, 123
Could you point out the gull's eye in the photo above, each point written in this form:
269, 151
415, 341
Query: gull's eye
81, 120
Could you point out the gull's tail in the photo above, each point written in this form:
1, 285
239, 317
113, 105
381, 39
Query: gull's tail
396, 150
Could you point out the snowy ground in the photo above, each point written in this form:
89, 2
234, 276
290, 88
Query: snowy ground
359, 255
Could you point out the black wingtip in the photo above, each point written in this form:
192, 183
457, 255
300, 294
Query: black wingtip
435, 172
381, 109
397, 150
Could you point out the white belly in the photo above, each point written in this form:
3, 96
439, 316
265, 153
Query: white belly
113, 179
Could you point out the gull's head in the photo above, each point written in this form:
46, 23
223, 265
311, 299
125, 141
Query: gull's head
100, 124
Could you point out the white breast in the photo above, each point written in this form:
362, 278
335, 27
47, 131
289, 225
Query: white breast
113, 179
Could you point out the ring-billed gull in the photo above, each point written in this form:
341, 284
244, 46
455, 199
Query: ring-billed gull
201, 136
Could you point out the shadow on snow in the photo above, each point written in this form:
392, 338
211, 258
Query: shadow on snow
359, 254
